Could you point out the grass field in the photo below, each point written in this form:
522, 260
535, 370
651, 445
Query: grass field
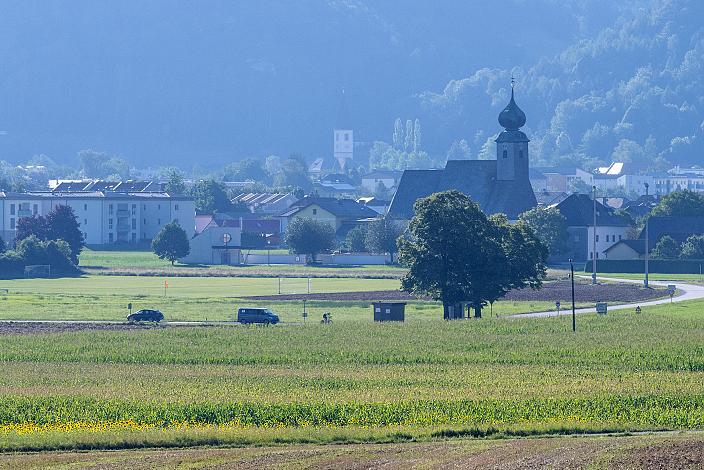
353, 381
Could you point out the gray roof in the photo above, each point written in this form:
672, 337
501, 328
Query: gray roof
636, 245
679, 228
475, 178
578, 209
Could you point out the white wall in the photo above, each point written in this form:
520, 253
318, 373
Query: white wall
602, 244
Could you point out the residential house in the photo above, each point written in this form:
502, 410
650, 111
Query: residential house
610, 228
389, 179
107, 212
626, 249
379, 206
341, 214
335, 185
266, 203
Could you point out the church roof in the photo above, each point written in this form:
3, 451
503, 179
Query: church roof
475, 178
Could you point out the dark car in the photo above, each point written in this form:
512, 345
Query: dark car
257, 315
146, 315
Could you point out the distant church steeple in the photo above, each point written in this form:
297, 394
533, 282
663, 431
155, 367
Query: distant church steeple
512, 144
343, 135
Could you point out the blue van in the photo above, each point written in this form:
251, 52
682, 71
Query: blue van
257, 315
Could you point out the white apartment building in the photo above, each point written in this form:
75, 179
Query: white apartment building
105, 217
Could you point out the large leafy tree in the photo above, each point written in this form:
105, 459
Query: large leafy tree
381, 236
210, 196
549, 225
175, 183
59, 224
248, 169
455, 253
62, 224
354, 240
309, 237
693, 247
171, 242
667, 248
683, 203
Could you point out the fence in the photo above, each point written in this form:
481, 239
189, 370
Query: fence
656, 266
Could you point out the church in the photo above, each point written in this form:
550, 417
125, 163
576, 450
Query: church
498, 186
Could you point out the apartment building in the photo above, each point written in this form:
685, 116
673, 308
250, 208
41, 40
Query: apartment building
105, 216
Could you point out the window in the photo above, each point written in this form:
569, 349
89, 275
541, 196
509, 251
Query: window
145, 221
110, 208
597, 238
520, 154
110, 237
315, 211
134, 209
158, 221
505, 154
607, 239
134, 224
158, 206
176, 207
12, 224
85, 207
347, 136
109, 224
85, 221
597, 255
619, 238
134, 237
35, 209
12, 209
591, 254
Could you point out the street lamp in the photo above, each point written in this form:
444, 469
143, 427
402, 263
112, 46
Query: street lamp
574, 316
647, 247
594, 253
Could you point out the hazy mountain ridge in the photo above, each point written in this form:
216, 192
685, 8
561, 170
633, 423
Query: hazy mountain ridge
165, 85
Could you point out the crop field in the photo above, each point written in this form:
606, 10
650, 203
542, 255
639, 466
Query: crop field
353, 381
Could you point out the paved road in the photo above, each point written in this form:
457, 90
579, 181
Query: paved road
686, 292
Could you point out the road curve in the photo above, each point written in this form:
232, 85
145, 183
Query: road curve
686, 292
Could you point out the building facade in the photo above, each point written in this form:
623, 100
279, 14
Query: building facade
105, 217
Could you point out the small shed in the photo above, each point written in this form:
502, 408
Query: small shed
389, 311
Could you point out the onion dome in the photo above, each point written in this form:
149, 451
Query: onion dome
512, 117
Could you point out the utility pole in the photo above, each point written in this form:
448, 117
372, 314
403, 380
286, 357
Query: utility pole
594, 253
647, 241
574, 315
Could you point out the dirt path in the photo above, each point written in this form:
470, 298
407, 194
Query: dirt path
681, 451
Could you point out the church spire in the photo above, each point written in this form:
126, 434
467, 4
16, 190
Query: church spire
512, 117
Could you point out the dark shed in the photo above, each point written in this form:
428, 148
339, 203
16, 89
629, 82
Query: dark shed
389, 311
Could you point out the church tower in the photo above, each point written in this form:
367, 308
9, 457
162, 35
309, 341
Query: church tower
343, 136
512, 144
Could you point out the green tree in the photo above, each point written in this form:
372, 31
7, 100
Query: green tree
416, 136
355, 239
408, 142
62, 224
549, 225
3, 246
293, 174
454, 253
398, 137
693, 247
248, 169
683, 203
309, 237
171, 242
175, 182
101, 165
381, 236
28, 226
210, 196
667, 248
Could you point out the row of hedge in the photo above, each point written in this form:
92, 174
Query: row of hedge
657, 266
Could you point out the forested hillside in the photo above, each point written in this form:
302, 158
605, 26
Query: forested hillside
167, 83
